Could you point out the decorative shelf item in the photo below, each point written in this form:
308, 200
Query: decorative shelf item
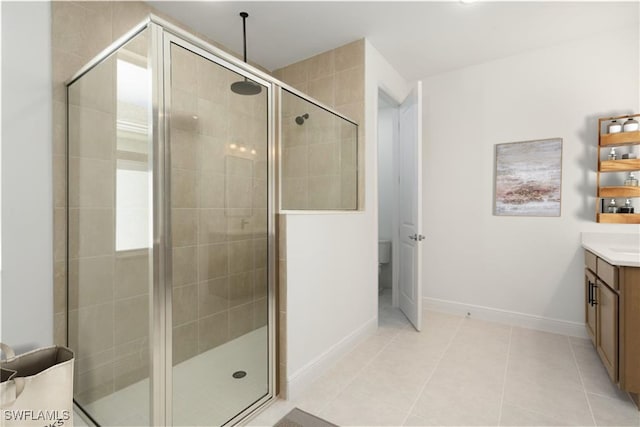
614, 149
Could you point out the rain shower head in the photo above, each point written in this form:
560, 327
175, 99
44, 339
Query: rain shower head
246, 86
300, 119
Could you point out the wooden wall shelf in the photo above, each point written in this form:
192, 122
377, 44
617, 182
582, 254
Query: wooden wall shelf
619, 218
619, 192
608, 141
622, 138
620, 165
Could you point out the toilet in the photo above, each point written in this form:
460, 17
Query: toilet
384, 257
384, 253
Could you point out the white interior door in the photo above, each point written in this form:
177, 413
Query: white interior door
410, 205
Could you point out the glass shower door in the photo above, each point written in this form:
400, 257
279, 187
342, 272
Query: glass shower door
109, 240
219, 240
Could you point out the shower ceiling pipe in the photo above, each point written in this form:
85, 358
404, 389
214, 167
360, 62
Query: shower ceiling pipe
246, 86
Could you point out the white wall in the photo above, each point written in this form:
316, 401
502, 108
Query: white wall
526, 265
331, 290
332, 258
27, 210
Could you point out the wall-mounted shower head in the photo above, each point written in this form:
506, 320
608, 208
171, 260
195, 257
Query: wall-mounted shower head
300, 119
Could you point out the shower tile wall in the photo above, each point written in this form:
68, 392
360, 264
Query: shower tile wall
108, 288
336, 78
219, 215
282, 304
111, 355
318, 157
80, 30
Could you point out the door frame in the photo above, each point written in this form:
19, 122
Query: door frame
411, 303
384, 96
395, 240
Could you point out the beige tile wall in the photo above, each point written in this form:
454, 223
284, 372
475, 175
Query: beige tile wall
219, 211
80, 30
319, 167
108, 289
336, 78
110, 312
282, 305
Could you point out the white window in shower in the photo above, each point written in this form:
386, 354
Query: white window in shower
133, 170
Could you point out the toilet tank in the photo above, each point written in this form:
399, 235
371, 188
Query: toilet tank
384, 251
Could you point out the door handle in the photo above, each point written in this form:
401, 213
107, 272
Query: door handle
590, 292
417, 237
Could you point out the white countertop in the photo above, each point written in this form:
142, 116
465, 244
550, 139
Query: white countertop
616, 248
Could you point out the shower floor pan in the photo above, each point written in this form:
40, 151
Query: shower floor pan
204, 389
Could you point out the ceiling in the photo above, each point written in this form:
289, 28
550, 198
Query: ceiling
418, 38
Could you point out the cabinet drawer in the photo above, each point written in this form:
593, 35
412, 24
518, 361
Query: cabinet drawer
590, 261
607, 273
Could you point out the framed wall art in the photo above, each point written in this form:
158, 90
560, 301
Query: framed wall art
528, 178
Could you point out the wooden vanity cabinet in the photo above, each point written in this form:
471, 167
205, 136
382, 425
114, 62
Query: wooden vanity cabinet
590, 312
629, 342
607, 329
612, 317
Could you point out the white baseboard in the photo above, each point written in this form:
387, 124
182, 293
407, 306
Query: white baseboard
529, 321
305, 376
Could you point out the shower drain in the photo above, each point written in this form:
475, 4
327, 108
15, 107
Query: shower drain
239, 374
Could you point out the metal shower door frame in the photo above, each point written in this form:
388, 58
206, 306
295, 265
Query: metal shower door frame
163, 36
112, 49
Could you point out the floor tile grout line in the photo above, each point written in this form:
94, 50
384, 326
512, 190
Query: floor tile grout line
362, 368
535, 411
504, 380
347, 384
584, 388
435, 368
605, 396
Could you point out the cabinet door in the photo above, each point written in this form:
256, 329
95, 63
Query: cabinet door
607, 331
590, 306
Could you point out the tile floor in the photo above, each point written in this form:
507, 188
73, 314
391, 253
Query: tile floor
464, 372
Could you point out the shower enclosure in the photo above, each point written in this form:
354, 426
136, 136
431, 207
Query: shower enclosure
171, 305
171, 179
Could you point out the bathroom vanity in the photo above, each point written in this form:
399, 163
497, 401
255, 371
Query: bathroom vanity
612, 305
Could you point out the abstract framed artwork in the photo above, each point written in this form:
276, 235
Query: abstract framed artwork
528, 178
